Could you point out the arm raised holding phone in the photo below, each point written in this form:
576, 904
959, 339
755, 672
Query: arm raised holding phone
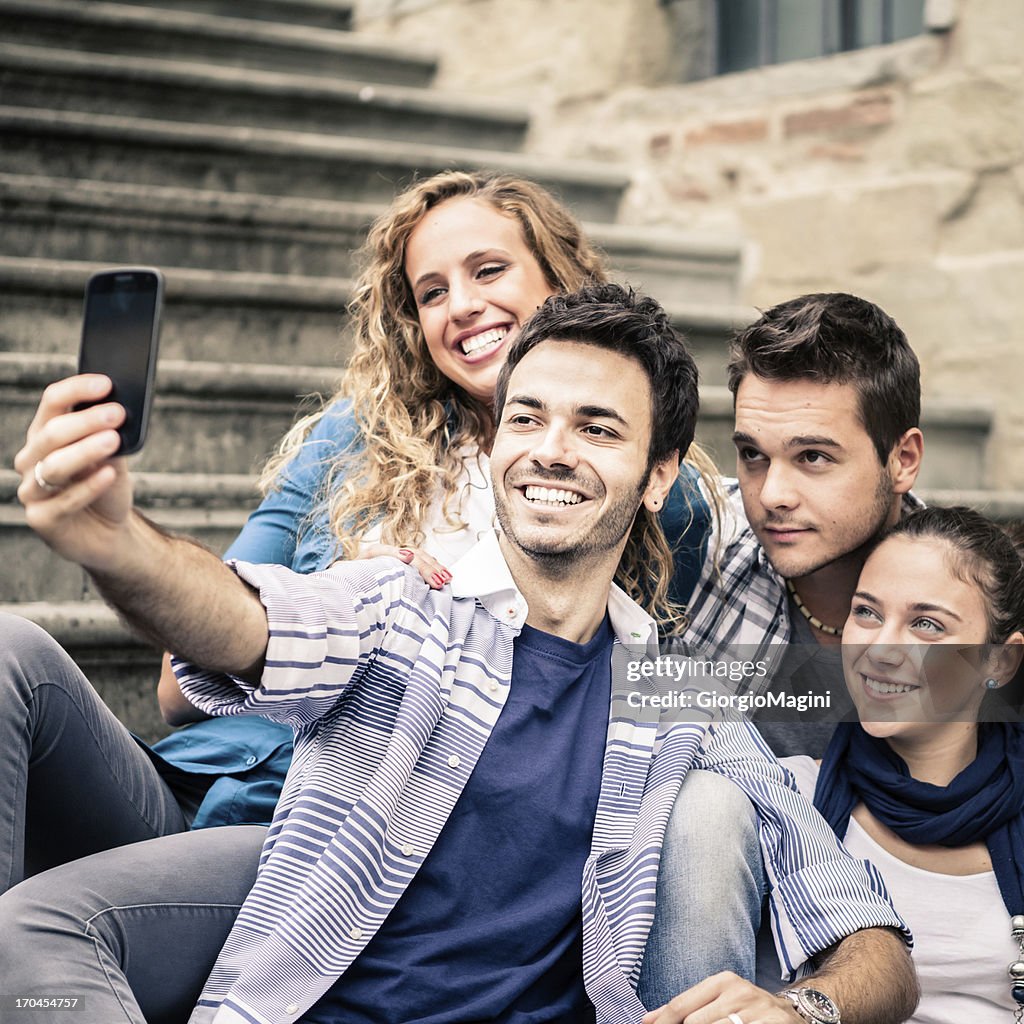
77, 495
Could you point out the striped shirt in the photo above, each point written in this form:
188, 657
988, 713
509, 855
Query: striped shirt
740, 606
393, 690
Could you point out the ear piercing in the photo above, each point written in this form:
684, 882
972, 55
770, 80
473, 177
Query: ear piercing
992, 684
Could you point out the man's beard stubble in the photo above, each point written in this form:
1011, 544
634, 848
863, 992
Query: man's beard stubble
877, 522
606, 534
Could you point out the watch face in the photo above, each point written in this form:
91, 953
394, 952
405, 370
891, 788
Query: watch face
818, 1005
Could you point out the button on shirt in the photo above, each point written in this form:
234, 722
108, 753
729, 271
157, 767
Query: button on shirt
383, 680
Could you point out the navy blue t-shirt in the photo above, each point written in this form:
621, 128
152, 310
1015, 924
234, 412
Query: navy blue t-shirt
490, 929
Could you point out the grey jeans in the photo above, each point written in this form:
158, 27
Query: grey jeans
73, 781
128, 900
132, 933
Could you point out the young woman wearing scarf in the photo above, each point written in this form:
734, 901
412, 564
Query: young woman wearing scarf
932, 795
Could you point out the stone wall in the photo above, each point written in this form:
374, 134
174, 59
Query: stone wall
895, 172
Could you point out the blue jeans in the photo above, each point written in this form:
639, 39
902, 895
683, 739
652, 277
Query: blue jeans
711, 884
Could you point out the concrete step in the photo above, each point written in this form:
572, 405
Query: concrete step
238, 318
122, 668
333, 14
213, 508
234, 414
1002, 506
209, 508
675, 266
956, 434
118, 222
207, 417
157, 31
36, 76
707, 330
242, 318
100, 147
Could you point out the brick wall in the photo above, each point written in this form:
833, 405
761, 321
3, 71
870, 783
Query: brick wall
895, 172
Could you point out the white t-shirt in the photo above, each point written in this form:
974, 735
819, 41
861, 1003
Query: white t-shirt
962, 943
472, 502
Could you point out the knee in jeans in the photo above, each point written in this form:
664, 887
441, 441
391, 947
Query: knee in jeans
28, 656
30, 919
39, 916
712, 835
710, 809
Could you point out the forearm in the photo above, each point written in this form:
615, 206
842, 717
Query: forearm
183, 598
175, 707
870, 977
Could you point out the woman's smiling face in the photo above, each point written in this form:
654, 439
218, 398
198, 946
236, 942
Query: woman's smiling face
913, 651
475, 282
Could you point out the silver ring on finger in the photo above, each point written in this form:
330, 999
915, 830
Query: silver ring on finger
44, 484
735, 1018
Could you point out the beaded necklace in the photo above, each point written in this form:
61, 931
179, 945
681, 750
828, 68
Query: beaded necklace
806, 613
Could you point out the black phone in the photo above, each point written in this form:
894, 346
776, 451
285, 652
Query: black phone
120, 335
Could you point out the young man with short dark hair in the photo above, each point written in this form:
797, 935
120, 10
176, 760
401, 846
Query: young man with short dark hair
828, 400
827, 404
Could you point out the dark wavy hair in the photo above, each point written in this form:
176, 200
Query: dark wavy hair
984, 554
615, 318
836, 338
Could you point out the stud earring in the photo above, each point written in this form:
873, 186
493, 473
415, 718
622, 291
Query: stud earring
992, 684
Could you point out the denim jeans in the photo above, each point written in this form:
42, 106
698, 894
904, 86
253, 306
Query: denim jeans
73, 781
132, 932
711, 884
123, 905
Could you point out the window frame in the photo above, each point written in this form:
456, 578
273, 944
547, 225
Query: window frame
837, 32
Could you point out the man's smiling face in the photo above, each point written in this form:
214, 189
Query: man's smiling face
813, 488
570, 456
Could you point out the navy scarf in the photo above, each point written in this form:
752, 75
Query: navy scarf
984, 803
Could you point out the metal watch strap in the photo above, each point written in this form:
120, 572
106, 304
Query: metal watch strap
815, 1007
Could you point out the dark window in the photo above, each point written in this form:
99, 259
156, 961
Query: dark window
755, 32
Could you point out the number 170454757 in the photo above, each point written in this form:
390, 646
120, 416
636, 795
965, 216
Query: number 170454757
40, 1002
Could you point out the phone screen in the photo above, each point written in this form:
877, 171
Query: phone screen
119, 339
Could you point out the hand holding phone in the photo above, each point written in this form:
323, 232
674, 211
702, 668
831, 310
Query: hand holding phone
120, 336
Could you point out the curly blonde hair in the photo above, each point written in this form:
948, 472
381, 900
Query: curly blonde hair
413, 422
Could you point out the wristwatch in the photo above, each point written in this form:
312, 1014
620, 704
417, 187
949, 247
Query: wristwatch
815, 1007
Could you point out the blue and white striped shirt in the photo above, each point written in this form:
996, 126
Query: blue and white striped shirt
393, 690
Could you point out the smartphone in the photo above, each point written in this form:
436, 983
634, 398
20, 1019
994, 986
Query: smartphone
120, 335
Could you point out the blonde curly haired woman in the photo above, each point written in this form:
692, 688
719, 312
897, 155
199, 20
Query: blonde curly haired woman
396, 459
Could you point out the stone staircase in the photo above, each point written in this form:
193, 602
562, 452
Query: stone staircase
246, 155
